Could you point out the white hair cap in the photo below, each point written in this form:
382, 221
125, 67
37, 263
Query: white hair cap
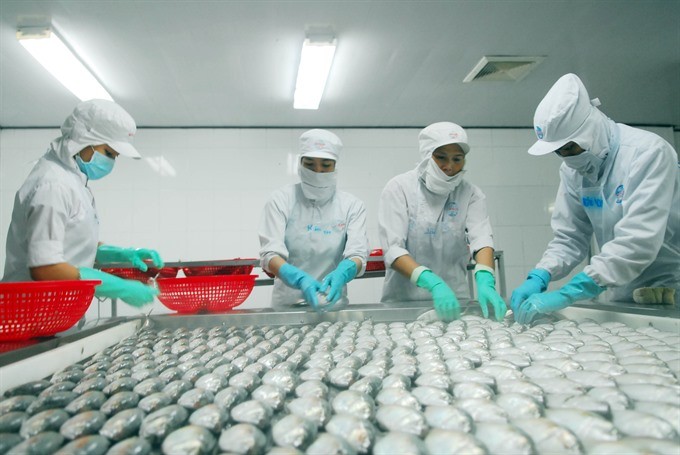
561, 114
442, 133
320, 144
95, 122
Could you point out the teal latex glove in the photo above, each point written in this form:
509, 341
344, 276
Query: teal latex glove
298, 279
536, 282
109, 253
445, 302
486, 294
337, 279
581, 287
129, 291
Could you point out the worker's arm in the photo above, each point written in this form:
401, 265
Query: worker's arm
61, 271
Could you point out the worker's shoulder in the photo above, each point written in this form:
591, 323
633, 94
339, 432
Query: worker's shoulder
639, 142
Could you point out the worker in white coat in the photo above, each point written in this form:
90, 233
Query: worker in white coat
54, 231
313, 236
431, 221
619, 183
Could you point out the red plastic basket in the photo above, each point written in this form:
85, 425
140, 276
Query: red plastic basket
42, 308
212, 294
210, 270
375, 265
132, 273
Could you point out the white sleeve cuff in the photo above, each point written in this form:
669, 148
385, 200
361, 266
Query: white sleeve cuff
485, 268
416, 273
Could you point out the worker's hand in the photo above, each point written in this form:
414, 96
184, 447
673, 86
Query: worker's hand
445, 302
536, 282
129, 291
337, 279
109, 253
486, 294
581, 287
298, 279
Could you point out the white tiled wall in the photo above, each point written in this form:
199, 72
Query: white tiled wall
210, 207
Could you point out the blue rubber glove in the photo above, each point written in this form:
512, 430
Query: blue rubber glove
337, 279
536, 282
107, 254
445, 302
298, 279
581, 287
486, 294
129, 291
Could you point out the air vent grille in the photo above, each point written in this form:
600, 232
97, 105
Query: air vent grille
503, 68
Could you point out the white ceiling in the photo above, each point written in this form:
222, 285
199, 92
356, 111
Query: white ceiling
398, 63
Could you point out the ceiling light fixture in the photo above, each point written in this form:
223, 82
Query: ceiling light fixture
315, 64
51, 52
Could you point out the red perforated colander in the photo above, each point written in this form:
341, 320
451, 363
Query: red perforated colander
212, 294
207, 270
375, 265
42, 308
132, 273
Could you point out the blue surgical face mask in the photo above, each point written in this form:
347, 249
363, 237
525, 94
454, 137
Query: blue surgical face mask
99, 165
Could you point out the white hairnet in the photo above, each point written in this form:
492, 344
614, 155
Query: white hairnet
95, 122
320, 144
442, 133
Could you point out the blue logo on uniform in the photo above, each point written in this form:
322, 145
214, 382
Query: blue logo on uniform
539, 132
592, 202
619, 192
452, 209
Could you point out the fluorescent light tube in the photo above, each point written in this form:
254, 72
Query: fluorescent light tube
315, 64
46, 47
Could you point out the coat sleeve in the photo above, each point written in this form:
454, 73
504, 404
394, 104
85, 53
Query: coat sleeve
639, 234
393, 219
47, 213
272, 230
571, 229
357, 239
477, 223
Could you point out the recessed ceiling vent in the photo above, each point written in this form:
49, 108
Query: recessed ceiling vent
503, 68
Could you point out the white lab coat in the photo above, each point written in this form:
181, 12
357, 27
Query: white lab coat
313, 237
54, 218
633, 210
434, 229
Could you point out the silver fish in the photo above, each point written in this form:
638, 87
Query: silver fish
253, 412
189, 440
615, 398
343, 377
120, 385
462, 390
123, 425
399, 381
329, 444
28, 388
283, 379
398, 397
312, 408
313, 374
119, 402
642, 425
641, 446
652, 392
55, 400
248, 381
587, 426
503, 438
271, 395
212, 382
46, 442
369, 385
483, 410
160, 423
559, 385
131, 446
86, 445
402, 443
211, 417
9, 440
668, 412
243, 439
88, 422
65, 386
294, 431
149, 386
50, 420
12, 421
354, 403
16, 403
195, 398
519, 406
230, 397
446, 442
154, 402
360, 434
548, 437
401, 419
473, 376
431, 396
448, 418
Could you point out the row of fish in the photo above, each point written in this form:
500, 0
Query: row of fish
472, 386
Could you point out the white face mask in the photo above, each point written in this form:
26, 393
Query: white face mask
585, 163
437, 181
317, 186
